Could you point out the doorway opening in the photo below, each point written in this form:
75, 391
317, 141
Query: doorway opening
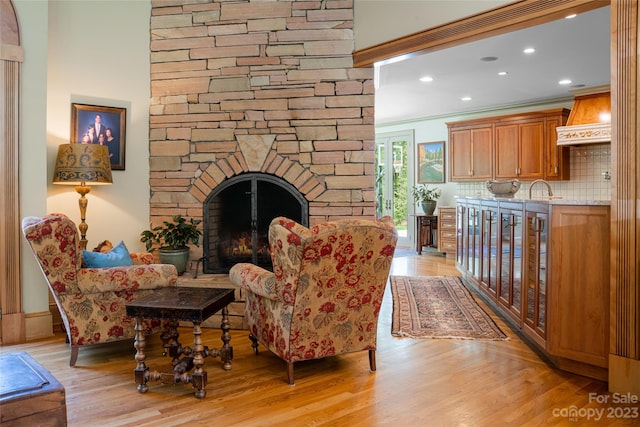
394, 154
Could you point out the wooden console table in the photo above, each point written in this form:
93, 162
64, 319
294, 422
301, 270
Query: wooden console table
426, 227
186, 304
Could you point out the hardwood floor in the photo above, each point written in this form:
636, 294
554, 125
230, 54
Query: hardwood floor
428, 382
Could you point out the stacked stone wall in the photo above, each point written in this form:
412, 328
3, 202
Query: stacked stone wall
268, 86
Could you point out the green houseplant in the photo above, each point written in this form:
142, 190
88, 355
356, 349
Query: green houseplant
173, 238
426, 196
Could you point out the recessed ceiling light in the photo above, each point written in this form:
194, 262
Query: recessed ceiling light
570, 16
489, 58
529, 50
502, 73
426, 79
466, 98
564, 82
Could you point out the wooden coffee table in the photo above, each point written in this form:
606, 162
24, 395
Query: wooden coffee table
181, 304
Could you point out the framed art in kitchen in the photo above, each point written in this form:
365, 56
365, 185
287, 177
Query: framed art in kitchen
93, 124
430, 162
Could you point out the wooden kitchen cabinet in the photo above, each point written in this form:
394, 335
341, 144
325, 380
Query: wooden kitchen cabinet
490, 249
447, 230
545, 267
471, 153
510, 266
579, 285
522, 146
535, 271
557, 157
519, 150
462, 244
469, 237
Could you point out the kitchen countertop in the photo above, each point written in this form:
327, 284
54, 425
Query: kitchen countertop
550, 201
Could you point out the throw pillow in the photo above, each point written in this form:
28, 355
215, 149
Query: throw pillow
116, 257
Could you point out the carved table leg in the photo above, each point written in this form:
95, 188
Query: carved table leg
170, 342
199, 377
226, 352
140, 373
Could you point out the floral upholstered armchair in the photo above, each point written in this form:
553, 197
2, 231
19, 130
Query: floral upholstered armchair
324, 295
92, 300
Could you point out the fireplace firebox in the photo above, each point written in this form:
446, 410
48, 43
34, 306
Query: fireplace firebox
237, 215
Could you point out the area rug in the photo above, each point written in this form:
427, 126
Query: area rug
439, 307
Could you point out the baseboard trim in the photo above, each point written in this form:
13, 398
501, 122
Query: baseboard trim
12, 328
38, 325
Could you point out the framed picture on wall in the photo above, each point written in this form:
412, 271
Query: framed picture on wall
92, 124
430, 162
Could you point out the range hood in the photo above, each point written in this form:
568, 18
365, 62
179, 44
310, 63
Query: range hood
590, 119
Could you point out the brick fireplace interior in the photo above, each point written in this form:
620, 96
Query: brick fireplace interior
237, 217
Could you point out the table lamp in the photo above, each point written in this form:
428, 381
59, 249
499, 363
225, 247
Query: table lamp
79, 165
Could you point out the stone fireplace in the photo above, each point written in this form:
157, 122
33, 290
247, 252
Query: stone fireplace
244, 89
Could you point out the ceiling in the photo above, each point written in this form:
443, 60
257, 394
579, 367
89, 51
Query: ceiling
577, 49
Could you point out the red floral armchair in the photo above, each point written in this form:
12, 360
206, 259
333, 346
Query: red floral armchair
92, 300
323, 297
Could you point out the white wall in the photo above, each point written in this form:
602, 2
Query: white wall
99, 55
32, 18
93, 52
378, 21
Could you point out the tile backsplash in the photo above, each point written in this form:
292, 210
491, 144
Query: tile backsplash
589, 163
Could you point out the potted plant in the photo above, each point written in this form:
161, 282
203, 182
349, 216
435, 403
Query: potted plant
427, 197
173, 238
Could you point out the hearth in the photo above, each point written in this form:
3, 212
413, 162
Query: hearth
237, 215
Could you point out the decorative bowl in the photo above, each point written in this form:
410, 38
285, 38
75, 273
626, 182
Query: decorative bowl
503, 188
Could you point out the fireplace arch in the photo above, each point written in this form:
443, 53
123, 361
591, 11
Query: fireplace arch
237, 214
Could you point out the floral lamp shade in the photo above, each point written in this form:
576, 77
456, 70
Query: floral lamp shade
82, 163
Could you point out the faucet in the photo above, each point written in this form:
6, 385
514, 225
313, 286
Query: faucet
545, 183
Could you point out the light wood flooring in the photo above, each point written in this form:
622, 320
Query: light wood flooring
419, 382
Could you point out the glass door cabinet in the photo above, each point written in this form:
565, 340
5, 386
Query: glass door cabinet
535, 274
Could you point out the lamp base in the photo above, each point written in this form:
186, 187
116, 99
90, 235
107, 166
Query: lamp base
83, 190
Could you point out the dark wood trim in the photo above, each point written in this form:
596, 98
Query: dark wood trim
514, 16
